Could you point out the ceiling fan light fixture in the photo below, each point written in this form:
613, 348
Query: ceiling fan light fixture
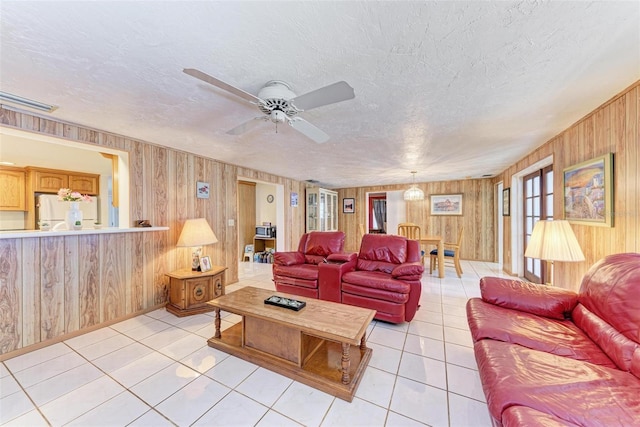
278, 116
413, 193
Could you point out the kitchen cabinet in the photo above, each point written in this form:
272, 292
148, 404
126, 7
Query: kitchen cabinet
12, 189
85, 183
51, 180
322, 210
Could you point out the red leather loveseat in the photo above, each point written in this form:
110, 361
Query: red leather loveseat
297, 272
553, 357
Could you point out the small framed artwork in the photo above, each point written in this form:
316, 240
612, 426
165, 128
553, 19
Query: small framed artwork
294, 200
348, 205
588, 192
446, 204
506, 202
205, 263
202, 190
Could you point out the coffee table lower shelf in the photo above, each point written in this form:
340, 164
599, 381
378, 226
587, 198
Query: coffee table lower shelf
313, 361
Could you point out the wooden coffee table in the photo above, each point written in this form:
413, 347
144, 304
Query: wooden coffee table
323, 345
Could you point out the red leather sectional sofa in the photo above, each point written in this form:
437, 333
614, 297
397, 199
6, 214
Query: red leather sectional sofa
552, 357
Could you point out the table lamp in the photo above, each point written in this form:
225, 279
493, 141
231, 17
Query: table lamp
553, 241
195, 234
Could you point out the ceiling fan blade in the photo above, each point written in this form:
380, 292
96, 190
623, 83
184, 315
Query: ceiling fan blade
309, 130
222, 85
246, 126
337, 92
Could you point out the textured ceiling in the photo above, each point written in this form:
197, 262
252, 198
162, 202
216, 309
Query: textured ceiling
450, 89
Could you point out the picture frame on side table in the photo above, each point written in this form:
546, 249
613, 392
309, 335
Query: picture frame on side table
205, 264
506, 202
588, 192
348, 205
446, 204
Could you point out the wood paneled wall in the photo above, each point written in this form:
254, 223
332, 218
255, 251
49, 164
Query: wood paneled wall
55, 286
478, 216
614, 128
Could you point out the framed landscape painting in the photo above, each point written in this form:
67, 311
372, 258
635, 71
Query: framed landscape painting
588, 192
446, 204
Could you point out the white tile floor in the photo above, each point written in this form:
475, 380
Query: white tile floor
156, 369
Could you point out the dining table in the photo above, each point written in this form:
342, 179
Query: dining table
439, 242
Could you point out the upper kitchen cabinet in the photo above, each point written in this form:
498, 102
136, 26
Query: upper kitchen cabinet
51, 180
12, 189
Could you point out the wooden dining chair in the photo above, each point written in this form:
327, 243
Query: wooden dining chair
451, 255
411, 231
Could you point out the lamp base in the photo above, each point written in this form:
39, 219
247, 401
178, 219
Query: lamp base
548, 273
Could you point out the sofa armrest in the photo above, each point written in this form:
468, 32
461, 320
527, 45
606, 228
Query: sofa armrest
330, 279
408, 271
546, 301
341, 257
288, 258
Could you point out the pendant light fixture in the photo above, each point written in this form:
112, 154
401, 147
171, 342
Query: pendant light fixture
414, 193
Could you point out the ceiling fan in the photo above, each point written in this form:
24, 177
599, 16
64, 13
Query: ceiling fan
278, 103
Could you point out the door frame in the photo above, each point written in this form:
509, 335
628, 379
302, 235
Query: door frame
280, 209
499, 244
517, 215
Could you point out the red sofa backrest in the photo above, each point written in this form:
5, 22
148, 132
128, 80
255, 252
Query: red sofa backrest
611, 290
317, 245
383, 252
609, 308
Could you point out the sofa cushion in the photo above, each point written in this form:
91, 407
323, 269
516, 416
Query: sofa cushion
288, 258
381, 252
324, 243
518, 416
376, 280
373, 293
611, 290
545, 301
618, 347
560, 337
578, 392
299, 271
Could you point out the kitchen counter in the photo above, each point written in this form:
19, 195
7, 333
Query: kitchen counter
17, 234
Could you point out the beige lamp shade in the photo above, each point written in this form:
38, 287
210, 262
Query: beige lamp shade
554, 241
196, 232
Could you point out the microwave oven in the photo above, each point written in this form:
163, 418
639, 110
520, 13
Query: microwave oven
265, 231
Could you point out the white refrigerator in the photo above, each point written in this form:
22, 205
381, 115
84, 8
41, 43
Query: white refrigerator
50, 209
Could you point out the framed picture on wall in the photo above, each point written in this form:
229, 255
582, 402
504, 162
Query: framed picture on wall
506, 202
446, 204
294, 200
588, 192
348, 205
202, 190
